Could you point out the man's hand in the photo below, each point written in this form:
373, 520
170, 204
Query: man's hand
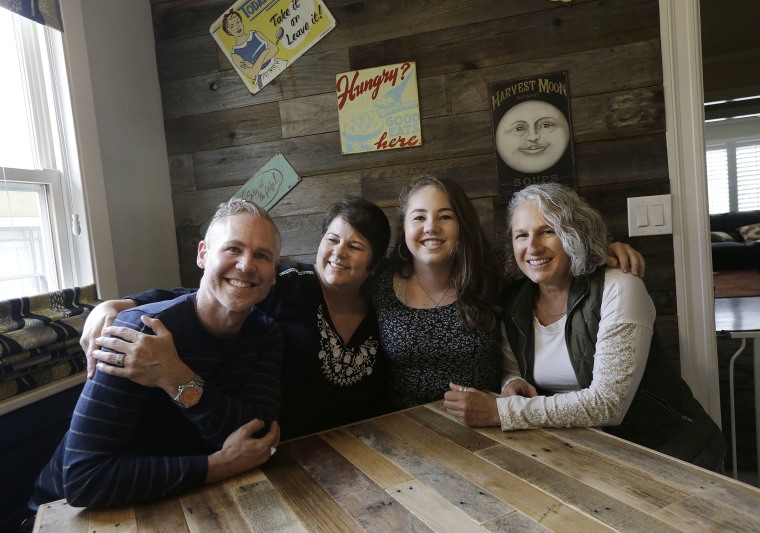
627, 258
241, 452
472, 407
519, 387
100, 317
150, 360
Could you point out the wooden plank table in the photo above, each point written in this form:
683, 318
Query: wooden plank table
420, 470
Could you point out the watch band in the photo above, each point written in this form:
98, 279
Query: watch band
190, 393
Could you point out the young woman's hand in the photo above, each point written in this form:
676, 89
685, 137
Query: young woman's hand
471, 406
627, 258
519, 387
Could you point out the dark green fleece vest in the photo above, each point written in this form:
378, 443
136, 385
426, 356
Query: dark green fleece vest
664, 415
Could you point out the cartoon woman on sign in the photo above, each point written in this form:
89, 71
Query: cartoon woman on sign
253, 54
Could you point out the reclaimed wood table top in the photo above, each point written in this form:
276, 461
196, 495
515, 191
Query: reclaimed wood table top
420, 470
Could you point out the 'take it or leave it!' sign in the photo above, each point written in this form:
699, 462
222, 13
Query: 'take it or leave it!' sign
261, 38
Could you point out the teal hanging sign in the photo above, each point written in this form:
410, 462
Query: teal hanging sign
268, 186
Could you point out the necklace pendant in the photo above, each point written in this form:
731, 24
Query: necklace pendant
436, 304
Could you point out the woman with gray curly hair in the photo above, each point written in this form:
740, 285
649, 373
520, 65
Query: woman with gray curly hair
580, 345
579, 227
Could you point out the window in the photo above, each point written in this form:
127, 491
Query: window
717, 179
39, 226
733, 165
28, 238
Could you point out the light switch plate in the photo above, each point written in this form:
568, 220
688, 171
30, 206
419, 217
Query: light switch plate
658, 219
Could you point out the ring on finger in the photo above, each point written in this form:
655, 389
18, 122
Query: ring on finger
119, 360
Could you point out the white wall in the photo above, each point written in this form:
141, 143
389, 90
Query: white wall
126, 99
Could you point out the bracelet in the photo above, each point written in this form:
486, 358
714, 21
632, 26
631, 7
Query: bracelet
510, 380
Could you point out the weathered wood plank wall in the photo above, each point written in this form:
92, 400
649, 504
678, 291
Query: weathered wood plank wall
218, 135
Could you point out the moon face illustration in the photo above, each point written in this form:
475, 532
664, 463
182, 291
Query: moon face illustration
532, 136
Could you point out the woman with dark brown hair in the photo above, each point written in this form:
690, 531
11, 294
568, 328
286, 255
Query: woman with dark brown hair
437, 306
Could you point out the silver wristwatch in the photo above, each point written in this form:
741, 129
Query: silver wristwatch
190, 393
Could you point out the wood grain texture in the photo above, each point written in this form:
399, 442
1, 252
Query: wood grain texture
523, 496
311, 74
313, 506
432, 509
636, 64
260, 504
182, 173
604, 475
613, 512
160, 517
52, 518
212, 509
358, 19
234, 127
470, 46
451, 486
176, 19
351, 488
185, 58
115, 520
420, 470
382, 471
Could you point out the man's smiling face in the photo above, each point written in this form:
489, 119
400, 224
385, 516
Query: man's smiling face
239, 259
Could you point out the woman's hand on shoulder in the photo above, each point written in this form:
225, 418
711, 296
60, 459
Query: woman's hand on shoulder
150, 360
626, 258
100, 317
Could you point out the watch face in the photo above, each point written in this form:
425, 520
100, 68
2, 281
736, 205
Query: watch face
190, 395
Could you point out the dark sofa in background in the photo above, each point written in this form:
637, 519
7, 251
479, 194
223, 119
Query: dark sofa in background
729, 249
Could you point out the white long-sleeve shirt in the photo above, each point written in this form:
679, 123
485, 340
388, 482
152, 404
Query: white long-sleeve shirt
622, 347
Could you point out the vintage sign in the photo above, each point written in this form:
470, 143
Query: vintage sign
378, 108
268, 186
532, 132
262, 37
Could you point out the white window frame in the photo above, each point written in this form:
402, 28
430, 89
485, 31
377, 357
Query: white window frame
55, 159
58, 235
728, 134
85, 174
85, 192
